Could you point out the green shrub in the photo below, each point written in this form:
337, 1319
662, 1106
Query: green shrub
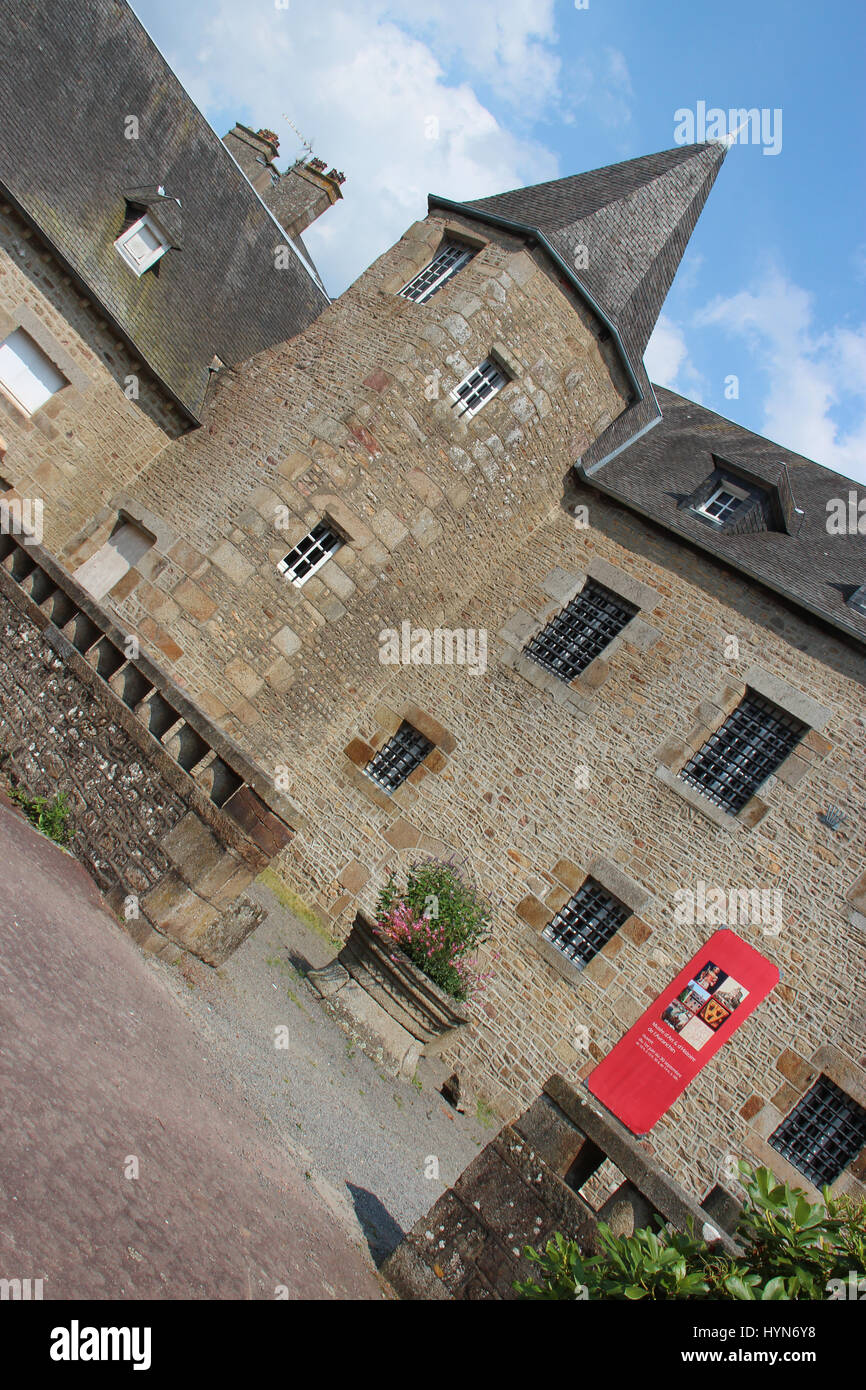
50, 815
793, 1249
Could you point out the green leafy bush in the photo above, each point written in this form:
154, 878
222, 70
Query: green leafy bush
50, 815
438, 918
793, 1249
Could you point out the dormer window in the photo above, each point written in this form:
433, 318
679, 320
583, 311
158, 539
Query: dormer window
451, 257
724, 503
857, 601
142, 244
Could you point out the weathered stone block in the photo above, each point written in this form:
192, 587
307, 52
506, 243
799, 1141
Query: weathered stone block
536, 913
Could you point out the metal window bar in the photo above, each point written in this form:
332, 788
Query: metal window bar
586, 923
452, 257
475, 390
823, 1133
399, 757
576, 635
311, 553
751, 744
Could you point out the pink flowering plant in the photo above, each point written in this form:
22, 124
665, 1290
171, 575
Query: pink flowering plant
437, 920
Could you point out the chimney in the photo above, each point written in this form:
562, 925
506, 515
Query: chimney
303, 193
255, 151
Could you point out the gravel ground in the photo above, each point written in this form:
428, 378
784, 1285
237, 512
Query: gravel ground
364, 1138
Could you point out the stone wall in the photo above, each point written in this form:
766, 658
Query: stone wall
164, 811
529, 1184
90, 439
338, 422
479, 526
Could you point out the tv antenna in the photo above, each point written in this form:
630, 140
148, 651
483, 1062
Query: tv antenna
306, 143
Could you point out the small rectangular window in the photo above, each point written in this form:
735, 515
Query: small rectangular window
476, 389
451, 257
748, 748
27, 373
399, 757
577, 635
586, 923
142, 244
311, 553
823, 1133
724, 503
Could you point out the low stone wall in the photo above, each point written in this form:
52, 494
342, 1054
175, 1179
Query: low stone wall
525, 1186
170, 818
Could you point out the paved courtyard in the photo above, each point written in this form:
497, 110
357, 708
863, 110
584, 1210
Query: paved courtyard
258, 1169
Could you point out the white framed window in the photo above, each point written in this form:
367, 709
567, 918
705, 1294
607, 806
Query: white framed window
142, 244
857, 601
723, 503
27, 373
476, 389
451, 257
311, 553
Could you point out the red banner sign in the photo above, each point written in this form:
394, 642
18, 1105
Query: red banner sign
695, 1016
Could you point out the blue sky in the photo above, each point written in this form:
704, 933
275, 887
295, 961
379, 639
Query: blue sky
417, 96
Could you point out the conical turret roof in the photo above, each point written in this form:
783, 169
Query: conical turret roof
622, 229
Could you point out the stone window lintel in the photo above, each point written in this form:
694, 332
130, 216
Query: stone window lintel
788, 698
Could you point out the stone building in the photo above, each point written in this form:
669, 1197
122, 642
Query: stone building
601, 644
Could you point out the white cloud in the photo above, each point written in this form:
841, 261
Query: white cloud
363, 90
667, 360
509, 44
815, 377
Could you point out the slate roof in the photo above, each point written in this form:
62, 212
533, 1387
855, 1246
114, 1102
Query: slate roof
634, 220
806, 563
74, 73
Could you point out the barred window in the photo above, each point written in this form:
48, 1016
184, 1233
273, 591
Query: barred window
399, 757
475, 390
823, 1133
586, 923
751, 744
451, 257
581, 631
311, 553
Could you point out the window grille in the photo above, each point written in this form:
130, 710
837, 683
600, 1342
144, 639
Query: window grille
475, 390
586, 923
311, 553
399, 757
453, 256
576, 635
823, 1133
743, 753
